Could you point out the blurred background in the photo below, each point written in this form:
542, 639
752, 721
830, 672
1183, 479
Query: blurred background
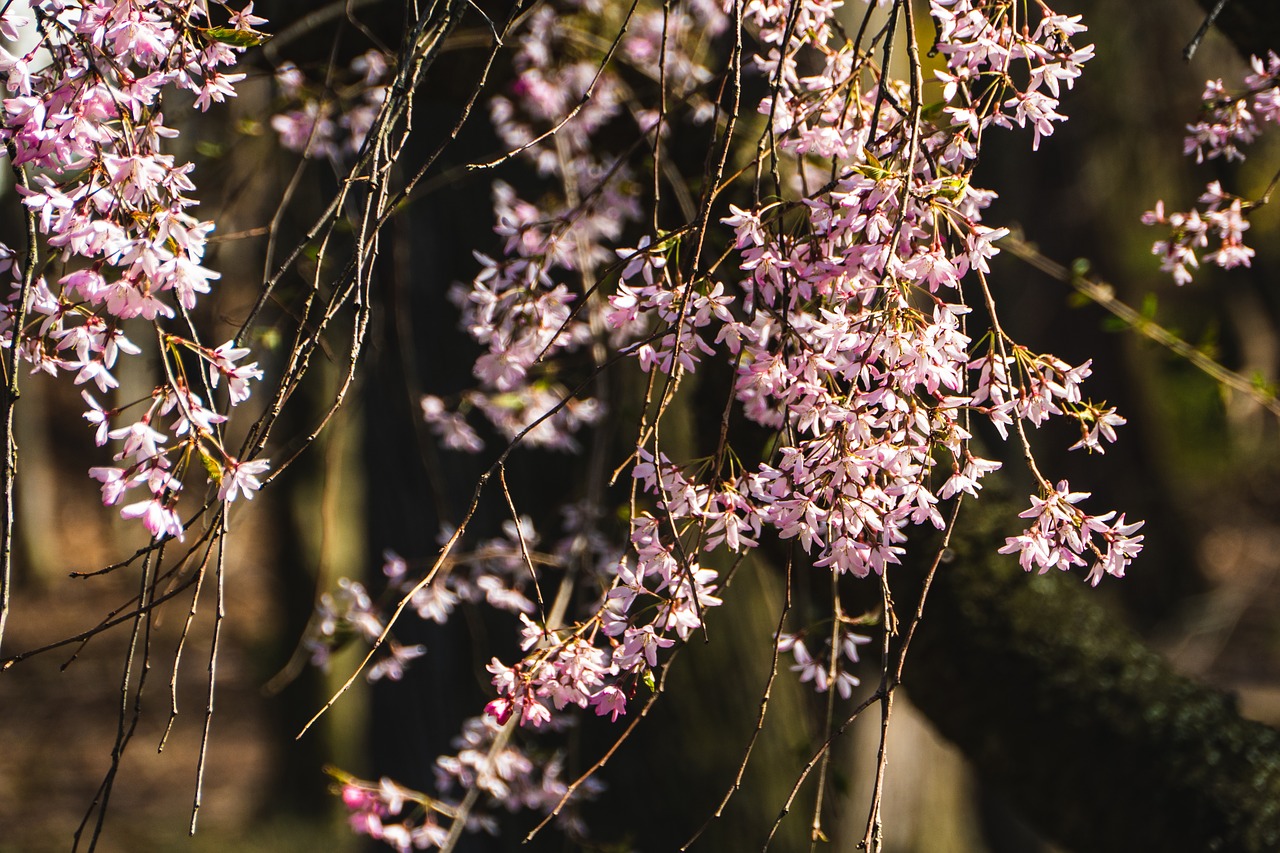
1200, 464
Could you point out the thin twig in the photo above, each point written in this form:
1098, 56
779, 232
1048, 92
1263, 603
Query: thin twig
220, 613
1190, 50
765, 695
177, 652
1104, 295
813, 761
524, 547
9, 451
582, 102
127, 718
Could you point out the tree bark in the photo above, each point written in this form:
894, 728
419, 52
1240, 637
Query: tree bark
1088, 733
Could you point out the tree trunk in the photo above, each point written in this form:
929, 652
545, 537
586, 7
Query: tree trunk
1086, 731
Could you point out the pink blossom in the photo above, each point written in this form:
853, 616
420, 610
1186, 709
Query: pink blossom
240, 477
98, 416
158, 518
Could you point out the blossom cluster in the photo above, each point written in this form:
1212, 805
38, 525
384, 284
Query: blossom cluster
331, 121
984, 42
494, 574
1231, 120
563, 666
378, 811
347, 613
845, 318
510, 777
840, 305
83, 117
826, 670
498, 572
1061, 533
1221, 219
1213, 231
523, 306
852, 332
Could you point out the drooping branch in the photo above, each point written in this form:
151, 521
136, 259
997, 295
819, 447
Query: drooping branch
8, 399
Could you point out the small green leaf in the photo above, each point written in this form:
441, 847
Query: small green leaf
1260, 383
207, 148
211, 466
1149, 304
234, 37
270, 339
649, 681
953, 187
934, 111
875, 173
1114, 324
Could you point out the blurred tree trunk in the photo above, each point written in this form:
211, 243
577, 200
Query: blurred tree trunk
1088, 733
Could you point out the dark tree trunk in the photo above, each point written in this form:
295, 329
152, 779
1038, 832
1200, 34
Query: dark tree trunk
1088, 733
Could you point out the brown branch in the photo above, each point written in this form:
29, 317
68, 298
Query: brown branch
9, 399
1104, 295
1251, 25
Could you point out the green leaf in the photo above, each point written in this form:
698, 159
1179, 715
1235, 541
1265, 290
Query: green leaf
1149, 304
1261, 384
270, 339
1114, 324
953, 187
234, 37
875, 173
933, 111
209, 149
211, 466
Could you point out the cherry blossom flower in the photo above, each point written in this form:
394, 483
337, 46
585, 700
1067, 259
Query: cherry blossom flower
240, 477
